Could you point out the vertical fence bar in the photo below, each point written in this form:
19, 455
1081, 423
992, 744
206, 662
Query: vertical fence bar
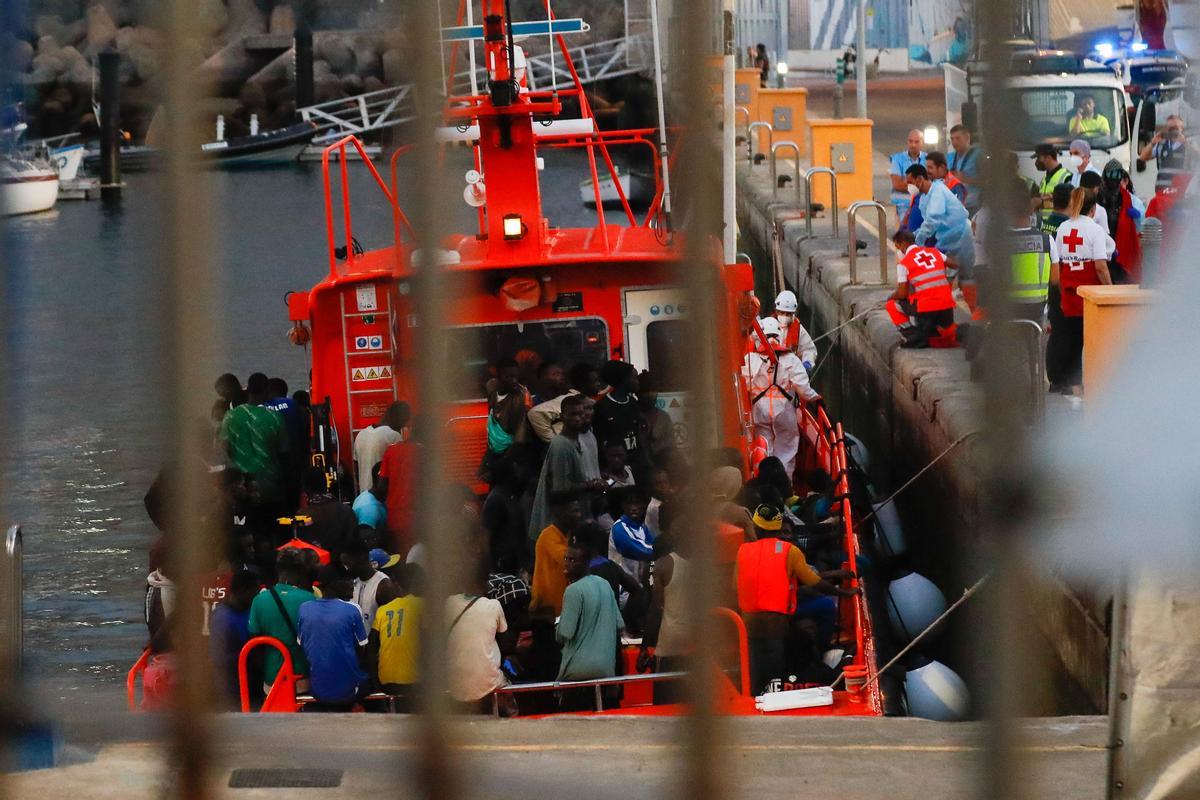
1006, 658
12, 612
188, 335
701, 204
435, 779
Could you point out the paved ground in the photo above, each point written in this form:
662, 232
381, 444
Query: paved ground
862, 759
897, 104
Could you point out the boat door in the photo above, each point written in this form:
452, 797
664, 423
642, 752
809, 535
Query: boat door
655, 340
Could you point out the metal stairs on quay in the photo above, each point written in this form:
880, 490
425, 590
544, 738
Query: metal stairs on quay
393, 106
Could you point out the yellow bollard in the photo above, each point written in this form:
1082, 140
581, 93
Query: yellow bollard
844, 145
787, 111
1110, 315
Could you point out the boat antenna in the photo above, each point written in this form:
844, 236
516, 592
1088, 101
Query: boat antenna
662, 117
471, 49
512, 47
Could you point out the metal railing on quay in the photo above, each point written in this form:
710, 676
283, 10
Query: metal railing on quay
808, 201
750, 130
775, 148
881, 233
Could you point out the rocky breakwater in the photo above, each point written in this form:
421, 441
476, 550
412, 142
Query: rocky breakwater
245, 55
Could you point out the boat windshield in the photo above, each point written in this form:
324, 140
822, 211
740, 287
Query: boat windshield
1048, 115
471, 350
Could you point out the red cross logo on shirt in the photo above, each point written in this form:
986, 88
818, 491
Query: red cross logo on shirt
1073, 239
927, 260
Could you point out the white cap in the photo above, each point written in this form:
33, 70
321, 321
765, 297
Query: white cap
770, 327
786, 302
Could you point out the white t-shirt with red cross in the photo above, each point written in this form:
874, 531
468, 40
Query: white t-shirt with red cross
1082, 239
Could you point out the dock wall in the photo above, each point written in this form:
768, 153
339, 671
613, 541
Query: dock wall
907, 406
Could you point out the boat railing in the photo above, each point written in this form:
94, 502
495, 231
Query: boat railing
399, 220
12, 612
596, 684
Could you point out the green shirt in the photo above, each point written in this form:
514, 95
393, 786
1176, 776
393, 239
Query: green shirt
256, 438
588, 629
265, 620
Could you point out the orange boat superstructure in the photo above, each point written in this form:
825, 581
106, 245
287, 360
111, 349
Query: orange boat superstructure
518, 287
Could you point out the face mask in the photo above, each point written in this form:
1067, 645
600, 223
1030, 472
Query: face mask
913, 191
1073, 163
785, 319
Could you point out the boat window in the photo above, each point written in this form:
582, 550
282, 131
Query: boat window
470, 350
666, 340
1045, 115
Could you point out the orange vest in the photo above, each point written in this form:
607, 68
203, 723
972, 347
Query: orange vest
927, 277
763, 583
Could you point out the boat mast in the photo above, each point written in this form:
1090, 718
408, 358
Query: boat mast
662, 116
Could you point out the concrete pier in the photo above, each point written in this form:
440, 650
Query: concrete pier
377, 755
908, 406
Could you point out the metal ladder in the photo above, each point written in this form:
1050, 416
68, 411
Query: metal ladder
386, 108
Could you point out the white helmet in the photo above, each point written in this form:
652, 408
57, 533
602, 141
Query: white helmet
786, 302
770, 327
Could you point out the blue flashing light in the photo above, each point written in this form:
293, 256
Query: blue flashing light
1139, 47
1104, 50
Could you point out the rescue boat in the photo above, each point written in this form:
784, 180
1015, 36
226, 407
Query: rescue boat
516, 283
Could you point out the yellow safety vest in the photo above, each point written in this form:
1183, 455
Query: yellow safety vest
1030, 266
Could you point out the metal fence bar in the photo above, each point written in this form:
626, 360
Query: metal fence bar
13, 609
701, 201
435, 779
190, 302
852, 251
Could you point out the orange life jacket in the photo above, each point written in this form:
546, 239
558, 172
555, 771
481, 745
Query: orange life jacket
763, 583
927, 277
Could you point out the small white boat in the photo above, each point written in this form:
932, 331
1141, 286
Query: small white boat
638, 188
67, 160
26, 187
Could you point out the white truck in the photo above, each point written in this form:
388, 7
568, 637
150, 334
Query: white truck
1043, 91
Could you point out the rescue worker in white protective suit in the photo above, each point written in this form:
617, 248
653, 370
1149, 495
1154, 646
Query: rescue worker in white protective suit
791, 332
777, 388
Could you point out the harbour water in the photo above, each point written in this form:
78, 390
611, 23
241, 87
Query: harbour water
86, 350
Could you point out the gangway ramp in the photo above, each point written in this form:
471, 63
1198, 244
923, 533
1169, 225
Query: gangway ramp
386, 108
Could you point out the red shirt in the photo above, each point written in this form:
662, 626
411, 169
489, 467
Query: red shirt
400, 467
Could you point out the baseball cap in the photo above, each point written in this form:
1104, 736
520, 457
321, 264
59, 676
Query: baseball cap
768, 517
380, 559
1045, 149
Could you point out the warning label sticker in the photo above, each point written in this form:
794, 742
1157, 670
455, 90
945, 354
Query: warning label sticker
374, 342
370, 373
366, 298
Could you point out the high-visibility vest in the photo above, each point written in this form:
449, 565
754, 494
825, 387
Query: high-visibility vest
927, 277
763, 583
1030, 266
1060, 175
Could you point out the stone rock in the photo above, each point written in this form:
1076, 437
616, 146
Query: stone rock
246, 18
49, 25
144, 60
283, 20
326, 88
321, 69
394, 67
210, 17
352, 84
125, 37
372, 84
74, 32
19, 55
101, 30
253, 98
47, 45
367, 60
334, 49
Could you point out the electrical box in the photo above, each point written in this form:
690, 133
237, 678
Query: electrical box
841, 156
781, 118
741, 94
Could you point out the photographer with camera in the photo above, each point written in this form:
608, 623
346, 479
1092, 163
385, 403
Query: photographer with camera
1170, 149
